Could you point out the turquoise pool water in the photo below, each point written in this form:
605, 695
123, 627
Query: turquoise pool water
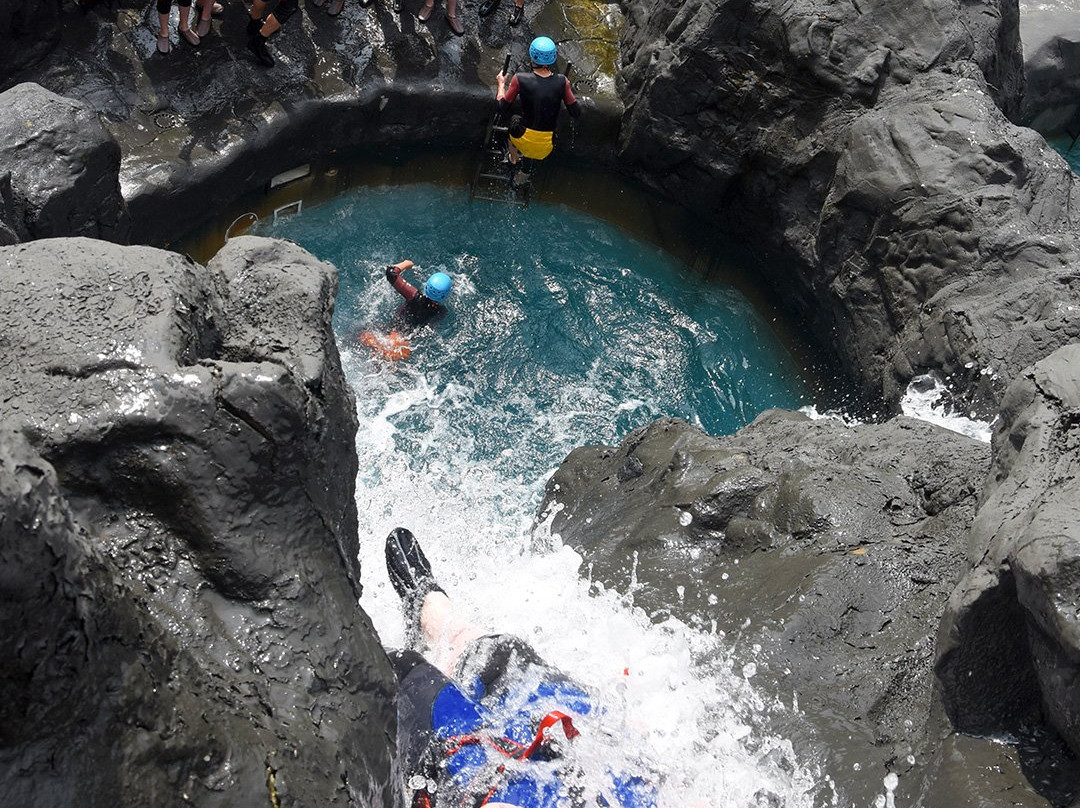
553, 311
1064, 146
562, 331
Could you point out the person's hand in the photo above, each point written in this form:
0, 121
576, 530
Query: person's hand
500, 78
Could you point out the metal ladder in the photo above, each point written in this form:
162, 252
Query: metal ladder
493, 180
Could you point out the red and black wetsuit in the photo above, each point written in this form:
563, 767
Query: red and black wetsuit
541, 99
417, 308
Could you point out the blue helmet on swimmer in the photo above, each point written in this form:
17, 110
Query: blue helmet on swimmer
542, 51
437, 287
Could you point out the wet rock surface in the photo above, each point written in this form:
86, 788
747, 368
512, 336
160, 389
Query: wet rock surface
1009, 652
1051, 102
176, 446
865, 144
834, 547
179, 535
198, 127
29, 29
59, 169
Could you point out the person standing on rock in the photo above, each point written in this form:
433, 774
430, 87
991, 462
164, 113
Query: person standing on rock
493, 726
260, 30
517, 13
207, 9
163, 9
424, 14
543, 93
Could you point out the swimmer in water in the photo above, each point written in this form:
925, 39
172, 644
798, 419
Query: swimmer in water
421, 306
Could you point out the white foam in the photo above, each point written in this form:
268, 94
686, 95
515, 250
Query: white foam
679, 708
927, 399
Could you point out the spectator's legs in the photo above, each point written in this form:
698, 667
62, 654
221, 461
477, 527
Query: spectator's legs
206, 8
163, 25
185, 22
452, 18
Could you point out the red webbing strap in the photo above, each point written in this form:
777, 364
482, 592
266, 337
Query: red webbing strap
546, 723
503, 746
456, 743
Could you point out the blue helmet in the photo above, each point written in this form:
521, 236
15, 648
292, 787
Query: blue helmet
542, 51
437, 287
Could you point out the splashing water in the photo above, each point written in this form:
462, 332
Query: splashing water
561, 332
929, 400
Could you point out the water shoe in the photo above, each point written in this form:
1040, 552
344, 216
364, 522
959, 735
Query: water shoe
408, 567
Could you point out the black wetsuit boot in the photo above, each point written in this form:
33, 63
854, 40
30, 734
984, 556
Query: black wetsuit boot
409, 570
257, 45
410, 573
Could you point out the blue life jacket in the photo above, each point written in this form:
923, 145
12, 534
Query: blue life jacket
478, 735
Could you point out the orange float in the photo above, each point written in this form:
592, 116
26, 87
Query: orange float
392, 346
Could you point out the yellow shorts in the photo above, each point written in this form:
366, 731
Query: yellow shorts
533, 144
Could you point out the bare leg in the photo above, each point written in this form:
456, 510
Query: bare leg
271, 26
514, 154
445, 630
206, 8
258, 8
163, 19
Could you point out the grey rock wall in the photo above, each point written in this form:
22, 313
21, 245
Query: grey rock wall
59, 169
179, 542
28, 30
865, 145
835, 547
1013, 622
1051, 102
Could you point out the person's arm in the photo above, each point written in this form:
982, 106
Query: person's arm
401, 286
506, 93
571, 102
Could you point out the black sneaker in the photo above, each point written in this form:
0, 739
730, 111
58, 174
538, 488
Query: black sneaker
517, 15
487, 7
408, 567
257, 45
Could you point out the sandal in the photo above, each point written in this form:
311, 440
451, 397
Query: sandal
424, 14
487, 7
517, 14
335, 7
190, 36
163, 44
455, 25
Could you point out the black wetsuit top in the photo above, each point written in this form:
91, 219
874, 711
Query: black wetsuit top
541, 99
417, 308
